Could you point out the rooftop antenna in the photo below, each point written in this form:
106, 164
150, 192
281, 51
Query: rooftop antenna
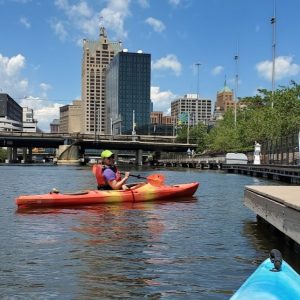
198, 66
236, 58
101, 21
102, 28
273, 23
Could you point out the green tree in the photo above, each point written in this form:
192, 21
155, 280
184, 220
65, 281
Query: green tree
265, 116
3, 154
197, 135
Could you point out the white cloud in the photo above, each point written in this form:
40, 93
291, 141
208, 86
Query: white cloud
174, 2
143, 3
284, 67
157, 25
25, 22
44, 111
10, 74
168, 62
87, 21
161, 99
45, 86
12, 83
217, 70
59, 30
114, 15
76, 11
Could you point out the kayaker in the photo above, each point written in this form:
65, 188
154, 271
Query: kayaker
107, 174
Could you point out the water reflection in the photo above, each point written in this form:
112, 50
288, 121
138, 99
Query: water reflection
202, 248
264, 237
124, 245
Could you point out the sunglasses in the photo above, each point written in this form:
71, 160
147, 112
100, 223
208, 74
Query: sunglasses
111, 157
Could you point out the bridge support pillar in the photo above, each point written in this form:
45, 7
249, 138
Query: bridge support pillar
139, 157
157, 155
29, 156
68, 155
9, 155
24, 160
14, 154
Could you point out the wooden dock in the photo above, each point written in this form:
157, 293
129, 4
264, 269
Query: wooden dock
278, 205
286, 173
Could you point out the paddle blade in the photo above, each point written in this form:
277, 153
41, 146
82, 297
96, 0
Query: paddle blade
156, 179
94, 169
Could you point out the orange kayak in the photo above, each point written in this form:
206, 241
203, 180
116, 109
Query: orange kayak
139, 193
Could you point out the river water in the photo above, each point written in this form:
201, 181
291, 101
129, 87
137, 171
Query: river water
200, 248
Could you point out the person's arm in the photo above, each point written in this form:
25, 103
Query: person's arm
117, 185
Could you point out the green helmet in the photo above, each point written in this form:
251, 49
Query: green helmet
106, 154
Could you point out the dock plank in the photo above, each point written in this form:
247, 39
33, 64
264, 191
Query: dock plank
278, 205
288, 195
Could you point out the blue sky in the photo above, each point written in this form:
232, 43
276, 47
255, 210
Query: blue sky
41, 49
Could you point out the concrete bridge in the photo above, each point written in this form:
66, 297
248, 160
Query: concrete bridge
71, 147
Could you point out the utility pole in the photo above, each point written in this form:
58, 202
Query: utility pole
188, 128
198, 66
95, 120
236, 58
273, 23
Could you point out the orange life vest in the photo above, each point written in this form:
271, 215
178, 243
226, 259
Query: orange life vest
98, 170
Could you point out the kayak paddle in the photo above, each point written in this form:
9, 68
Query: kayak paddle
154, 179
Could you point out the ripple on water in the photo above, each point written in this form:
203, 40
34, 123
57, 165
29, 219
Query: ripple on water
201, 248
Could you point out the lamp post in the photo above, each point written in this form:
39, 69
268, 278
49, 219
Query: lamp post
188, 128
111, 126
236, 58
273, 22
95, 120
198, 67
97, 123
133, 123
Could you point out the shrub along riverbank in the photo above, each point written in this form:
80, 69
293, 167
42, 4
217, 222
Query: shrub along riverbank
266, 116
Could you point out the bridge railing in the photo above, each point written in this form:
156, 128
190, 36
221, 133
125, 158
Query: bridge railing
93, 137
139, 138
30, 134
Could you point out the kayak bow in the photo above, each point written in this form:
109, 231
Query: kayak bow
274, 279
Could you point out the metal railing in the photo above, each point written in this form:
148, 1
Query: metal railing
284, 150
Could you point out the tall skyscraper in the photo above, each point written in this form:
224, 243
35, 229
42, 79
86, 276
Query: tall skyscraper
96, 56
128, 93
193, 108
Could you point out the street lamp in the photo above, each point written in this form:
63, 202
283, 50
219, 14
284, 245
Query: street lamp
236, 58
97, 122
188, 128
273, 22
198, 66
133, 123
111, 126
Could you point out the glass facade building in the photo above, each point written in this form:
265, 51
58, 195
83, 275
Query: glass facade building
11, 114
128, 106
